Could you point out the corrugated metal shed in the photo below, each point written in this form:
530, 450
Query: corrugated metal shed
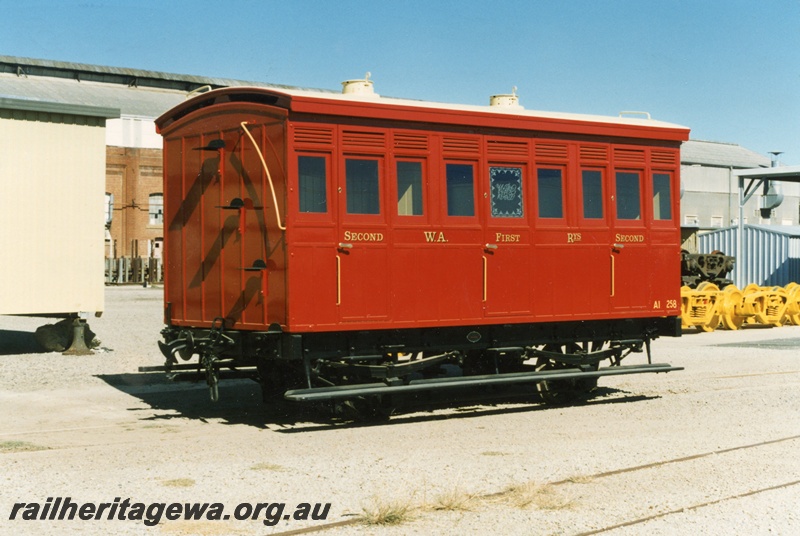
772, 252
146, 102
34, 105
134, 92
715, 154
117, 75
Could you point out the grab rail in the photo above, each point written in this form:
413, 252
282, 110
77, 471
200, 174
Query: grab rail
269, 177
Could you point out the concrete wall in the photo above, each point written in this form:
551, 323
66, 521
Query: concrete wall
132, 131
711, 200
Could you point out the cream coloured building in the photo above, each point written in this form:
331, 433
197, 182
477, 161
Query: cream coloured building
52, 180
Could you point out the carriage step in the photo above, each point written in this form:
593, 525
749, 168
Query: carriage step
319, 394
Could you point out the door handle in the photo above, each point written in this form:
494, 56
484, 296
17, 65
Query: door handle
338, 280
485, 277
613, 275
345, 245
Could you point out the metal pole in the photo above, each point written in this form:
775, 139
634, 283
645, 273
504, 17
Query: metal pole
740, 238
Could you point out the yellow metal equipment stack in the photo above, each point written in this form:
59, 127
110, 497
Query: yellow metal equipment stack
706, 307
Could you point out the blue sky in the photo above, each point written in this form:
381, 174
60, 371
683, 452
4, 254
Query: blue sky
728, 69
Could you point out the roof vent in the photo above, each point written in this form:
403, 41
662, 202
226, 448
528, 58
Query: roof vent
362, 87
505, 100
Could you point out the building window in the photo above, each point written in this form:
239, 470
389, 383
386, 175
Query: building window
460, 191
313, 184
156, 209
409, 188
506, 187
363, 194
109, 208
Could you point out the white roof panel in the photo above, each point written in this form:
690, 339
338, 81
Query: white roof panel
710, 153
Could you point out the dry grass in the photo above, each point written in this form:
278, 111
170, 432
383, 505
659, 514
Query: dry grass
580, 479
526, 495
19, 446
382, 512
179, 483
455, 500
543, 497
266, 466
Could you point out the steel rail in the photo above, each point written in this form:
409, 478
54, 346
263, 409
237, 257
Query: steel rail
355, 520
687, 508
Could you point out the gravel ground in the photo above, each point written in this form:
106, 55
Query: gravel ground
93, 429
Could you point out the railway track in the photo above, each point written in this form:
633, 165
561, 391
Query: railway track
67, 437
606, 474
688, 508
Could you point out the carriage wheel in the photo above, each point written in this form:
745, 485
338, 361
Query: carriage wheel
732, 317
714, 319
365, 408
792, 315
559, 392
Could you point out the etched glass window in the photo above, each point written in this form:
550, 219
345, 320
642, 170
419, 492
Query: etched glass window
628, 196
592, 194
460, 190
506, 186
551, 198
156, 209
363, 195
409, 188
313, 184
662, 205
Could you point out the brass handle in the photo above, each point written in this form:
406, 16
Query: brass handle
485, 270
338, 280
612, 275
281, 226
344, 245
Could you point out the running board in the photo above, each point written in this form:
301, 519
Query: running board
320, 394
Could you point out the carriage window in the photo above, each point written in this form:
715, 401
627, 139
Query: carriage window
551, 200
313, 191
460, 191
361, 178
592, 194
628, 196
661, 197
506, 186
409, 188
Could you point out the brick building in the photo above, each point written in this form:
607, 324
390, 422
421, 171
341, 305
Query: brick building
134, 202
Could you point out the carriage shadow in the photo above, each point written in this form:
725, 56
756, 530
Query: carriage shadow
240, 402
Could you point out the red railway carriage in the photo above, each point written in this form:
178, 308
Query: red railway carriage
349, 246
